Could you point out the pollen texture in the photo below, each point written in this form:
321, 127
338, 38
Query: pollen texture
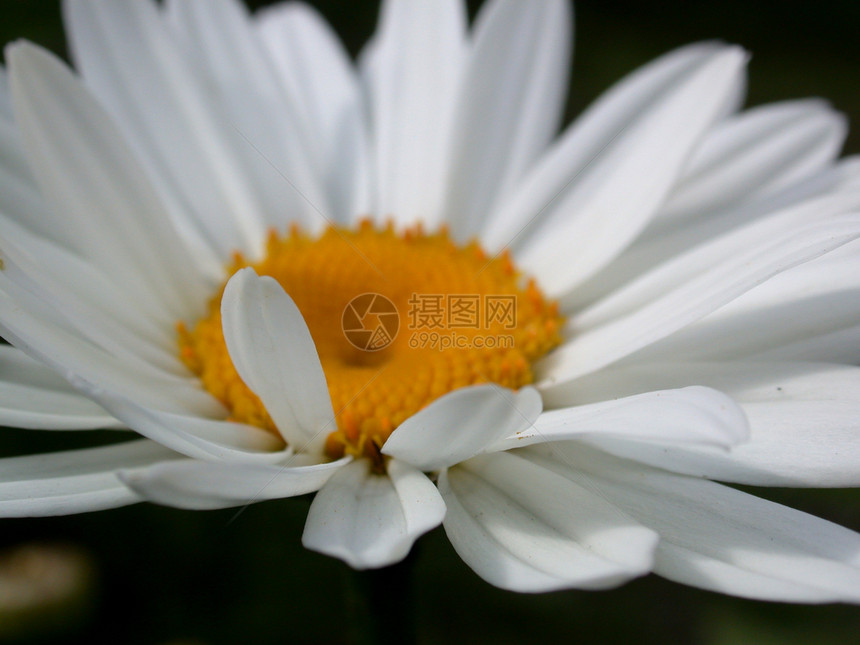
398, 319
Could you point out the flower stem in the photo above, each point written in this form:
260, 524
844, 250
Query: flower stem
380, 605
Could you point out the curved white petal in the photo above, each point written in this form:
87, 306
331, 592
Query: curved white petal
509, 107
272, 350
72, 279
412, 70
587, 138
692, 415
462, 424
5, 98
34, 327
524, 528
20, 199
831, 191
370, 520
320, 80
755, 261
34, 396
710, 254
613, 200
74, 481
198, 485
808, 301
794, 443
804, 420
193, 436
162, 99
82, 297
745, 381
760, 151
602, 178
721, 539
172, 411
283, 172
836, 346
763, 333
97, 191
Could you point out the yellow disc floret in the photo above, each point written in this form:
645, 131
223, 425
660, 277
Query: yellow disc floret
398, 319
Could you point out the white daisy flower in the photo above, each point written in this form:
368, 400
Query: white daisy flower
680, 317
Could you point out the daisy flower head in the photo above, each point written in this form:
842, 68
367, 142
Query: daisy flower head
393, 283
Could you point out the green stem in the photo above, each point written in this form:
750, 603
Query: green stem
380, 605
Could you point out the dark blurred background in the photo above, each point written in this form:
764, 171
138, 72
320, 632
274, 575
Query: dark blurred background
156, 575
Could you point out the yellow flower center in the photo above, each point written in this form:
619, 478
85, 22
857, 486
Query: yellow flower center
398, 319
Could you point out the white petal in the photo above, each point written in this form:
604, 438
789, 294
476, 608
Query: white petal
831, 191
81, 296
283, 172
160, 97
34, 396
76, 280
319, 78
5, 98
32, 326
755, 261
762, 333
174, 412
412, 69
587, 137
96, 187
76, 481
804, 420
718, 538
198, 485
712, 253
616, 195
692, 415
19, 195
462, 424
272, 349
760, 151
810, 300
524, 528
510, 106
193, 436
749, 381
842, 345
370, 520
794, 443
20, 199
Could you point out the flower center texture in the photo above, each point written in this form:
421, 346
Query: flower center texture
398, 320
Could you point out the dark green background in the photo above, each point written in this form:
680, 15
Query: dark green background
166, 575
